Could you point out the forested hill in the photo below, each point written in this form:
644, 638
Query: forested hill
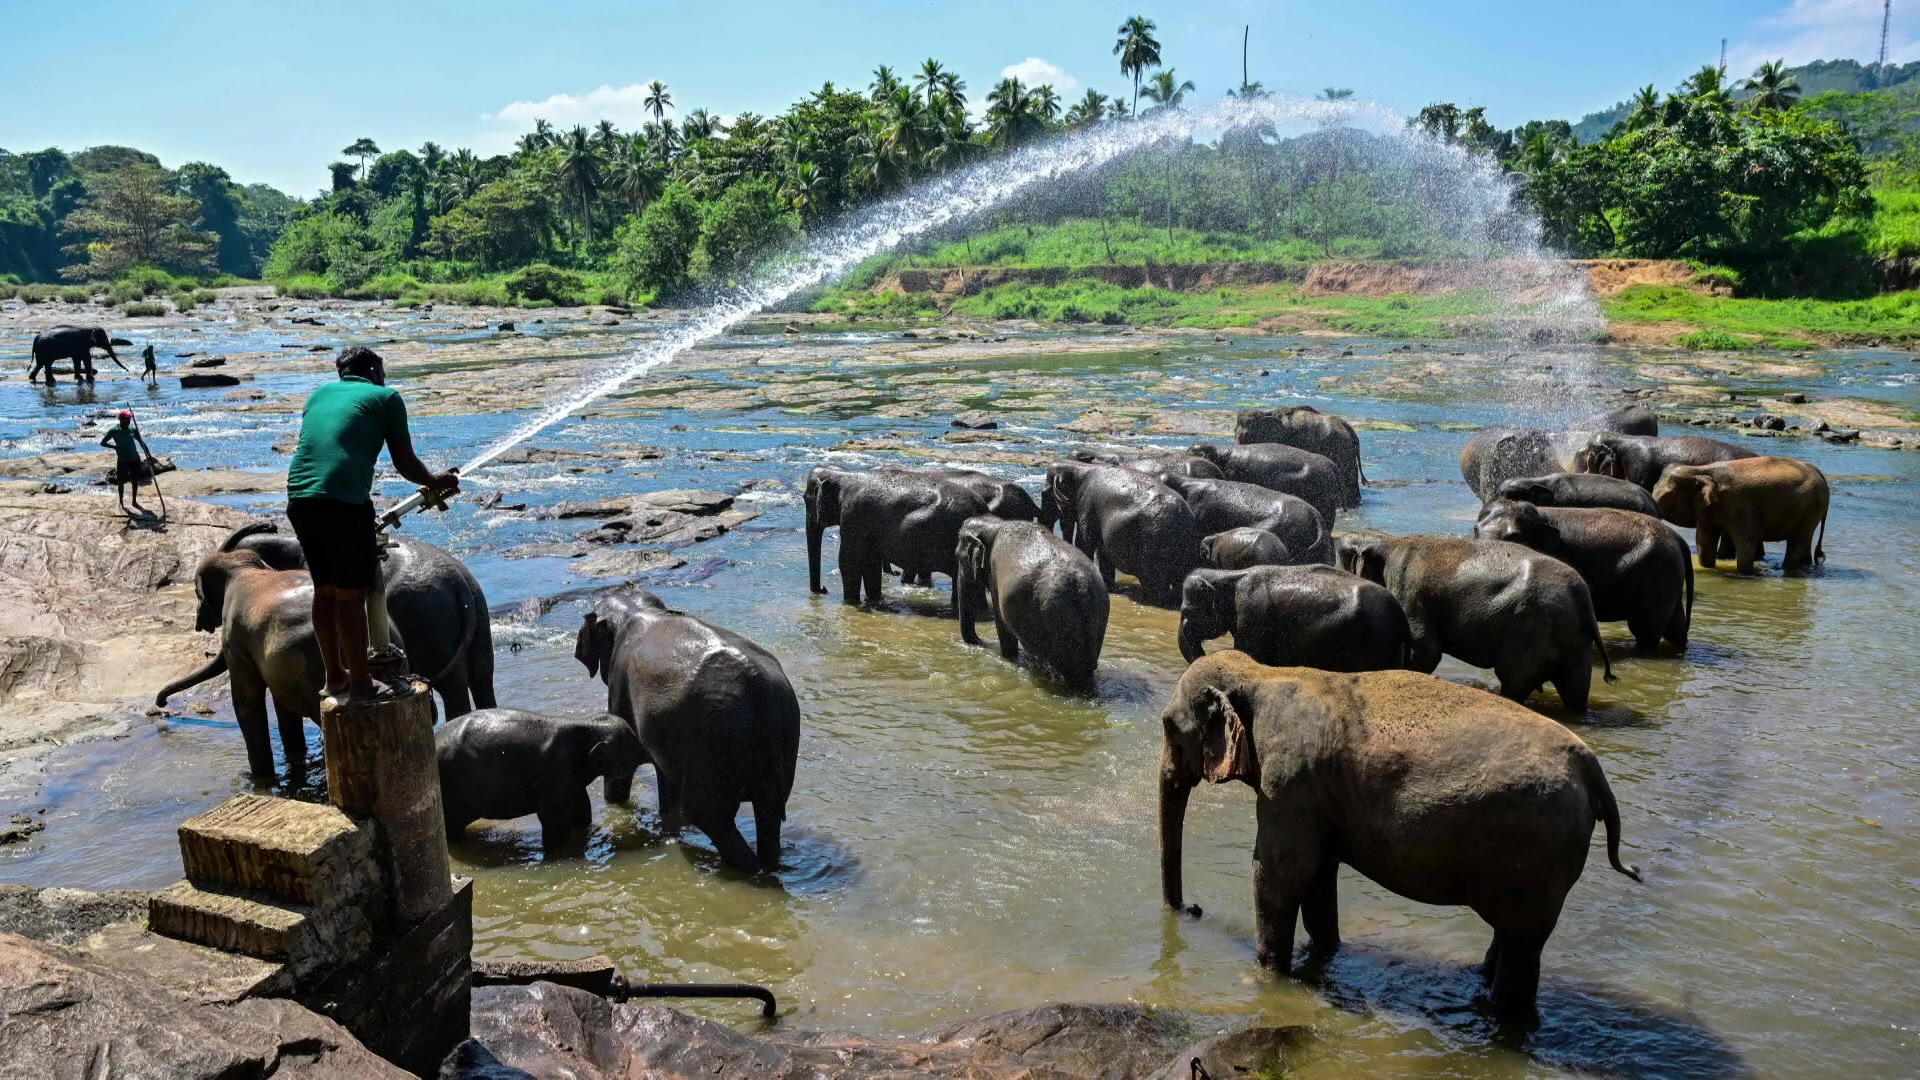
1818, 77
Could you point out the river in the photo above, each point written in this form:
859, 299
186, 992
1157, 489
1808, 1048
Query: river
963, 840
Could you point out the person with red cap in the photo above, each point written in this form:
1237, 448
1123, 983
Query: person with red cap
133, 463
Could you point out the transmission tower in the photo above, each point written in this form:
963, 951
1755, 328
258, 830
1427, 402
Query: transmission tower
1886, 20
1723, 53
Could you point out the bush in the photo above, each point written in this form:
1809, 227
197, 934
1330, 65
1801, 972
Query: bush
8, 290
38, 294
144, 281
654, 250
143, 310
386, 287
1718, 340
76, 294
303, 287
613, 298
541, 282
1719, 277
746, 221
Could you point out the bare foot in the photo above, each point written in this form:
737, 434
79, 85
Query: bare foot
371, 691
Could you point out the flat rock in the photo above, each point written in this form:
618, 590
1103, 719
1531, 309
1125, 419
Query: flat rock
976, 420
202, 382
65, 916
623, 564
686, 501
667, 527
571, 509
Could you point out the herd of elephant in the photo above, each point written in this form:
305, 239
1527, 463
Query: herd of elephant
1326, 705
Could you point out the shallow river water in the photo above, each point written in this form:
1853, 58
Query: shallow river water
963, 840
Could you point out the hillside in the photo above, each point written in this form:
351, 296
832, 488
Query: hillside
1818, 77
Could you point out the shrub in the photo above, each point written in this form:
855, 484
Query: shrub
746, 221
1719, 277
303, 287
8, 290
76, 294
654, 250
147, 281
1712, 340
613, 298
386, 287
38, 294
143, 310
541, 282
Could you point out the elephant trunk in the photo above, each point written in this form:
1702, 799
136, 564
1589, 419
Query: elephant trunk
815, 530
1174, 790
215, 667
1050, 510
1191, 637
963, 602
618, 789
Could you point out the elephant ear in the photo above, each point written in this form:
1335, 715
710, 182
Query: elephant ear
587, 644
1227, 749
1709, 491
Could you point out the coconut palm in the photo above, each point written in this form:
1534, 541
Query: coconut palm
931, 79
581, 168
663, 137
1165, 92
463, 173
1646, 108
804, 188
362, 148
1708, 86
638, 177
884, 84
1252, 91
1335, 93
657, 101
543, 136
699, 124
1044, 101
1138, 50
605, 136
431, 157
1091, 109
1013, 115
1772, 87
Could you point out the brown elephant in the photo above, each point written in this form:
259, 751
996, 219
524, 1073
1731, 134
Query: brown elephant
1438, 792
1749, 501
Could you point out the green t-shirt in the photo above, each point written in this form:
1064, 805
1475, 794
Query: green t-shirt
126, 445
341, 432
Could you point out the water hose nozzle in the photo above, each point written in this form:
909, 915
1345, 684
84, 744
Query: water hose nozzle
426, 498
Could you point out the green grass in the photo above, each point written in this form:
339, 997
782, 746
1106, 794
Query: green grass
1894, 230
1086, 300
409, 291
1079, 242
1774, 324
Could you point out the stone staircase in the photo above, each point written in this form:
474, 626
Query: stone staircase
290, 882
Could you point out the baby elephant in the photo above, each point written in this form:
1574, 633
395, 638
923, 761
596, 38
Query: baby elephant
1579, 489
1749, 501
1238, 549
1305, 616
1046, 597
1635, 567
504, 763
1438, 792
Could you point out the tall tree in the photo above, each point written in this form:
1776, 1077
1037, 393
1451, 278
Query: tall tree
1138, 50
1165, 92
1773, 89
135, 219
581, 168
362, 148
884, 84
605, 137
1335, 93
1645, 111
657, 101
638, 176
1091, 109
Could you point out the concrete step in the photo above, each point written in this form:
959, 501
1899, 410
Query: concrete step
300, 853
223, 920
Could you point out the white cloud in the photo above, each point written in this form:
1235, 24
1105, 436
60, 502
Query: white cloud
1827, 30
624, 105
1034, 71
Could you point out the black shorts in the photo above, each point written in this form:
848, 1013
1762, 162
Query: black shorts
337, 539
132, 472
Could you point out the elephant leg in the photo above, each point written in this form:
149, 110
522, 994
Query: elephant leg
1320, 909
562, 816
1706, 544
1284, 856
1423, 653
924, 579
1646, 628
1516, 975
1009, 644
1492, 963
250, 709
1678, 624
1106, 569
1275, 909
1574, 680
725, 834
852, 559
870, 578
293, 733
454, 696
766, 834
671, 812
1799, 551
1748, 551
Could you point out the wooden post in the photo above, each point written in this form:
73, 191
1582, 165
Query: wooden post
381, 765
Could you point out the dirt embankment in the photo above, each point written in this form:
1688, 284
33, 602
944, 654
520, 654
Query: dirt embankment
1604, 277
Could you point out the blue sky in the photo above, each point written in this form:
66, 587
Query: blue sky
271, 90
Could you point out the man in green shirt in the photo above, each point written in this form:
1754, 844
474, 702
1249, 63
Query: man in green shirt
132, 461
330, 503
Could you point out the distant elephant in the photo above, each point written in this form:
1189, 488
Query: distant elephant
1159, 464
1640, 459
267, 647
886, 518
1749, 501
74, 343
1435, 791
1046, 597
501, 764
716, 716
1219, 505
1238, 549
1498, 454
1635, 567
1490, 604
1578, 489
1125, 521
1283, 468
433, 600
1627, 420
1306, 616
1308, 428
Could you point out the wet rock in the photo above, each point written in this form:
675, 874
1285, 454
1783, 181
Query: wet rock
66, 916
570, 509
70, 1015
1837, 436
305, 320
976, 419
762, 483
201, 382
1100, 423
983, 437
311, 348
506, 326
209, 362
626, 564
667, 527
18, 828
687, 501
1794, 399
547, 551
1770, 423
790, 328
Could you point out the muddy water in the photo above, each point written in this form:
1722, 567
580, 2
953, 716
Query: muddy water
961, 839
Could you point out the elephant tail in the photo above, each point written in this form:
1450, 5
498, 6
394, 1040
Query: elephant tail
1688, 563
1820, 543
1606, 809
469, 618
215, 667
1593, 633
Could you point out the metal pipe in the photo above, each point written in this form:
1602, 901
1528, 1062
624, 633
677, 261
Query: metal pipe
622, 990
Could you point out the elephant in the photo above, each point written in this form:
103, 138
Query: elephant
1626, 420
1578, 489
1498, 454
1437, 792
1126, 521
1219, 505
1309, 429
1492, 604
433, 600
1749, 501
1279, 467
1159, 464
1238, 549
716, 716
1640, 459
75, 343
1047, 597
267, 648
1295, 616
886, 518
1635, 567
1004, 498
503, 763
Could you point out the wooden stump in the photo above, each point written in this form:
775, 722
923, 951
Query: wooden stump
381, 765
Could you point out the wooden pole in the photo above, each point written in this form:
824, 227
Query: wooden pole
381, 765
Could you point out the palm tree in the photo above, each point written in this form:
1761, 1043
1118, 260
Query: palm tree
605, 136
1252, 91
1089, 110
931, 80
663, 136
579, 165
1335, 93
883, 85
543, 136
463, 174
638, 176
1012, 113
1707, 86
431, 157
1117, 109
699, 124
1138, 50
1044, 102
1165, 93
805, 188
1646, 108
362, 148
875, 163
657, 101
1772, 87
